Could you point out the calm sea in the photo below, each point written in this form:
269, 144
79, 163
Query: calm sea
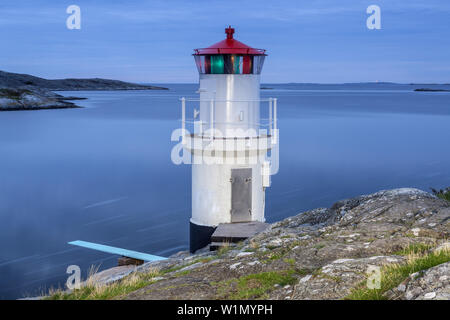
103, 173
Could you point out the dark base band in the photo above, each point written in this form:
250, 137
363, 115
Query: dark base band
200, 236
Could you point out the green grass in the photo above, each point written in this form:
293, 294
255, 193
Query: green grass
223, 250
133, 282
319, 246
239, 245
276, 253
92, 291
443, 194
254, 286
183, 273
446, 196
393, 275
414, 248
275, 256
290, 261
173, 269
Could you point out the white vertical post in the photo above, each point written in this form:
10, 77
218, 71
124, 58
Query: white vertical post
211, 118
275, 120
270, 116
183, 119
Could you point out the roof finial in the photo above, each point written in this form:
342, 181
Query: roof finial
229, 31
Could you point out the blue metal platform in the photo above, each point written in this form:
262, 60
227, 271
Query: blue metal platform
119, 251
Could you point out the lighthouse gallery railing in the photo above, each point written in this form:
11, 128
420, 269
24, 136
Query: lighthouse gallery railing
270, 122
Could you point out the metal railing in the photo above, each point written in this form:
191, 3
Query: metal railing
212, 124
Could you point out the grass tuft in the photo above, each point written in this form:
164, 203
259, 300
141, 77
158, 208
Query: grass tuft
393, 275
90, 290
319, 246
414, 248
443, 193
254, 286
223, 250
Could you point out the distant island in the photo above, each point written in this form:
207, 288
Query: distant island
424, 87
431, 90
26, 92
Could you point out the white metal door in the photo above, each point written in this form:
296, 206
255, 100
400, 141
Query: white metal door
241, 195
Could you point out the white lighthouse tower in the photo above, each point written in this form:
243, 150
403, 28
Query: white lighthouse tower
229, 140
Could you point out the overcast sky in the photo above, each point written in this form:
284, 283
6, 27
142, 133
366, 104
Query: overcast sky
323, 41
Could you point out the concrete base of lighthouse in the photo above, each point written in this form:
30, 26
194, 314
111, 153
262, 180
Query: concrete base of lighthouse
223, 235
199, 236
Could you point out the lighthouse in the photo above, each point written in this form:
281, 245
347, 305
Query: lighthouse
228, 131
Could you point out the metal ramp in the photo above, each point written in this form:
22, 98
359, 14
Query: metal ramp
118, 251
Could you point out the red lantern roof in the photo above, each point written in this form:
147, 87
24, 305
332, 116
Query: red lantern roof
230, 46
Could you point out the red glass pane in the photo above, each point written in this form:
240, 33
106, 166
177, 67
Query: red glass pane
247, 69
207, 64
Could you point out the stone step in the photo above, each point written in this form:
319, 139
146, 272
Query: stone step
235, 232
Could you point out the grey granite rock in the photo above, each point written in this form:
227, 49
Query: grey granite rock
25, 92
325, 253
329, 250
431, 284
25, 99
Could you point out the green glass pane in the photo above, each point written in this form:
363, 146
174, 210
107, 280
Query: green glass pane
236, 64
217, 64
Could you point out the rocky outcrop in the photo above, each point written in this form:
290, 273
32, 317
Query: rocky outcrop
431, 284
24, 99
319, 254
25, 92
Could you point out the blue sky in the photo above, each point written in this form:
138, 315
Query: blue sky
324, 41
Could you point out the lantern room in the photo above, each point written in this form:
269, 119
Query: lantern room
229, 56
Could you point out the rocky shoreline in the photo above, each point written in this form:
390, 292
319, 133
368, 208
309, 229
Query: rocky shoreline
25, 99
319, 254
26, 92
